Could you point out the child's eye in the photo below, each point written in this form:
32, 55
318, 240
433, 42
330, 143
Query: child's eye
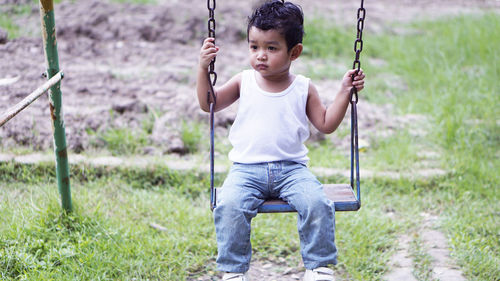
253, 47
270, 48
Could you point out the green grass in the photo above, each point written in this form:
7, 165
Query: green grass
90, 245
120, 140
472, 223
452, 73
17, 19
447, 71
108, 236
323, 40
192, 135
8, 14
422, 259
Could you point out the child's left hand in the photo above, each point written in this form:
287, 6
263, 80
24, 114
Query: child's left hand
359, 80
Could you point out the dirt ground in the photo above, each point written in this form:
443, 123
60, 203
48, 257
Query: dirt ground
125, 62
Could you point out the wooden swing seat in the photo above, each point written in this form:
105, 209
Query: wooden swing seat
342, 194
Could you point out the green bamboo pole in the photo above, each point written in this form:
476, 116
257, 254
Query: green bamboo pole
55, 102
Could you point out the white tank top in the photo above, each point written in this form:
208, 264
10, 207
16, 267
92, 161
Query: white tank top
270, 126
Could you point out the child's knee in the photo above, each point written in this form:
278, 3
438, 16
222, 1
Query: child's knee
233, 204
318, 205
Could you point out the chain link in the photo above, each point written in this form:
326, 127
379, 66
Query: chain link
358, 48
211, 33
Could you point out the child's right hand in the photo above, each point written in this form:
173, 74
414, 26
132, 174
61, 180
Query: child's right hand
208, 52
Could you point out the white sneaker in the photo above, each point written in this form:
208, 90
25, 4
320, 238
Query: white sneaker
319, 274
235, 276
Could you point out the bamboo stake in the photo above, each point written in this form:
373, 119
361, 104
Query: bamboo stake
55, 102
14, 110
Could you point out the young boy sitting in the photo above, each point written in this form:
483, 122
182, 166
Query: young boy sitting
268, 155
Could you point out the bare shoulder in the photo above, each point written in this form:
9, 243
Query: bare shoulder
314, 108
312, 91
237, 78
233, 82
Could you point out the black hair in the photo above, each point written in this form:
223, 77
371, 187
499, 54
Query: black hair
285, 17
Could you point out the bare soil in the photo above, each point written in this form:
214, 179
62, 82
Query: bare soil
126, 62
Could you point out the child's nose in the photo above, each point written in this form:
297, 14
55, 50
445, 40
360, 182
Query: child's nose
261, 55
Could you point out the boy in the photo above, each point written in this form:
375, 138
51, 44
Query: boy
269, 157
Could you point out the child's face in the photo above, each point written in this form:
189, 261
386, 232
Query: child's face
268, 52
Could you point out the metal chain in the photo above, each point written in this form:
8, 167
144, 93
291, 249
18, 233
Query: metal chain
211, 33
358, 48
211, 99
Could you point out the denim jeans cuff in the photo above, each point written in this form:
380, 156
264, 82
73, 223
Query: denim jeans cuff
314, 265
233, 269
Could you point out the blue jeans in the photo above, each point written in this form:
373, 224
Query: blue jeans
247, 186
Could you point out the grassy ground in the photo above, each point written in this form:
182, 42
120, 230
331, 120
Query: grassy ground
450, 73
451, 69
7, 16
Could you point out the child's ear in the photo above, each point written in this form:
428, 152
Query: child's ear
296, 51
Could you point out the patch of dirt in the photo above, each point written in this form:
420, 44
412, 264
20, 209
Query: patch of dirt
434, 243
122, 62
401, 263
263, 271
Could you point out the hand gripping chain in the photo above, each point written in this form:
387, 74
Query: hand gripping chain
358, 48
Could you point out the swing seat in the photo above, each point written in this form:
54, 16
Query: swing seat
342, 194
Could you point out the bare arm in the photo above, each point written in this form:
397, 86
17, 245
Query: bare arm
227, 93
327, 120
